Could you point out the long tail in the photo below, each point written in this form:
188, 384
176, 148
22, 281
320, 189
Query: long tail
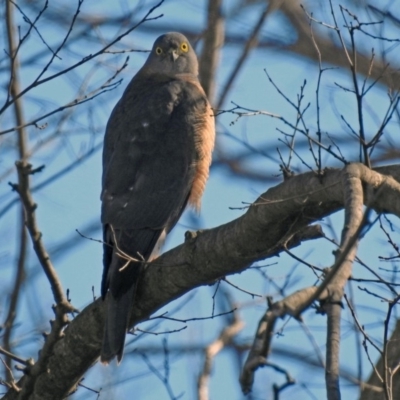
120, 278
117, 319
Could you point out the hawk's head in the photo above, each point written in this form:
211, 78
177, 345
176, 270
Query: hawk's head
172, 54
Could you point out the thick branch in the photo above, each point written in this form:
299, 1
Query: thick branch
261, 347
373, 389
348, 250
250, 44
213, 42
274, 221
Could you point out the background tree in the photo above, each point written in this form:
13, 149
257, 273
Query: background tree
317, 300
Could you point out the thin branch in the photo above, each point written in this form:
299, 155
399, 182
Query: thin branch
14, 85
164, 378
225, 338
53, 178
22, 188
250, 44
85, 59
62, 306
16, 358
104, 88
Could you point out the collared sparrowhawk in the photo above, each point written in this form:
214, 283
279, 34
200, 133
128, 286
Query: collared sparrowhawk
156, 159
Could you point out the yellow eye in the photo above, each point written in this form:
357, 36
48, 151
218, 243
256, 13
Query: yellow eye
158, 50
184, 47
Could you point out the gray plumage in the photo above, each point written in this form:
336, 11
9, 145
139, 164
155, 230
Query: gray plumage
156, 156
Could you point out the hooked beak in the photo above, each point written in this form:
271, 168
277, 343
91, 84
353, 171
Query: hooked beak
174, 54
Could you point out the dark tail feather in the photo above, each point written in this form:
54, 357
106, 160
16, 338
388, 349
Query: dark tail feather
117, 318
119, 283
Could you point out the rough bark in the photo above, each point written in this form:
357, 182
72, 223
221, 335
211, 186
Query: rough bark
374, 388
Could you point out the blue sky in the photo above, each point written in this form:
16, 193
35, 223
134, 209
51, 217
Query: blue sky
73, 202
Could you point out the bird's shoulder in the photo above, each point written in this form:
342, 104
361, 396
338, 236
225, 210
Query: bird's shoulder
171, 86
154, 98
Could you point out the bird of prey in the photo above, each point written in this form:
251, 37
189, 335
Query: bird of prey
156, 159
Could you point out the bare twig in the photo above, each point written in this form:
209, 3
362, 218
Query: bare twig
15, 357
195, 318
225, 338
163, 377
389, 369
57, 175
38, 81
242, 290
104, 88
22, 188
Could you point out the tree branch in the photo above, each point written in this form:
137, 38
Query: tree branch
261, 347
14, 87
345, 257
272, 223
213, 42
62, 306
224, 339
